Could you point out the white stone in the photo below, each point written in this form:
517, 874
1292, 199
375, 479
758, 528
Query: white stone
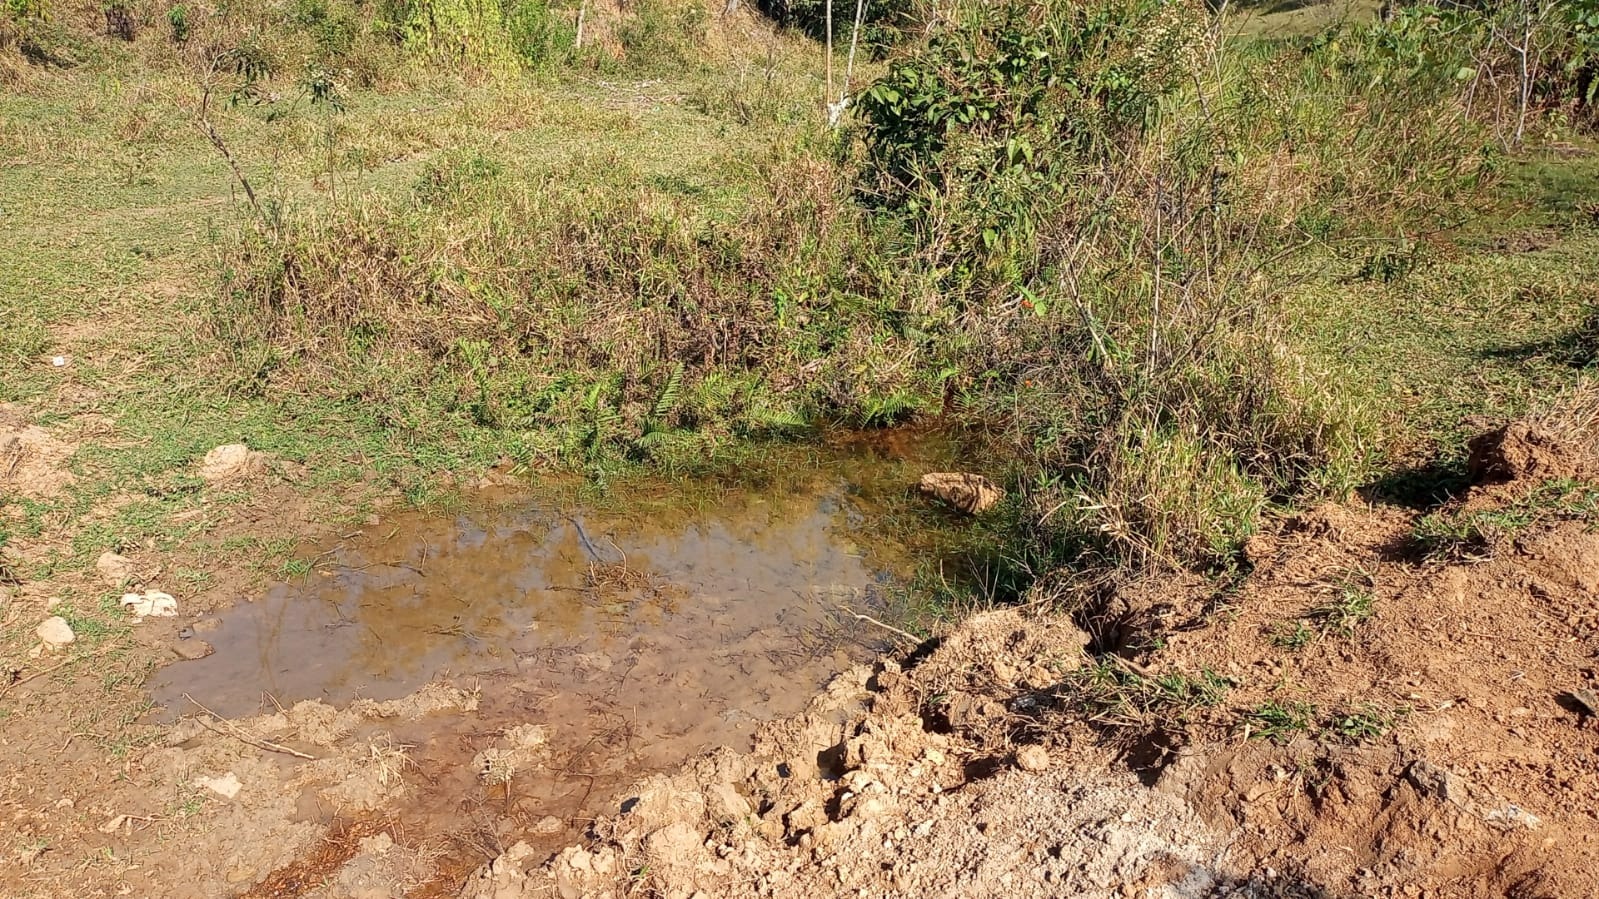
150, 604
55, 632
228, 462
115, 570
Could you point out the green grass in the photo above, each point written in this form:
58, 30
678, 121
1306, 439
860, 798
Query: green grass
1362, 724
1349, 608
1110, 693
674, 201
1477, 325
116, 209
1296, 636
1279, 721
1459, 534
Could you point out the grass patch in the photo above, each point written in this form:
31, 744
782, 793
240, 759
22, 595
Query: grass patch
1467, 534
1351, 606
1363, 724
1184, 278
1109, 693
1279, 721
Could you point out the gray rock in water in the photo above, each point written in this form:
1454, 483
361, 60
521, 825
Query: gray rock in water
190, 650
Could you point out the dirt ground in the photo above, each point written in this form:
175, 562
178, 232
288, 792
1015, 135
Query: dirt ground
1469, 768
1353, 718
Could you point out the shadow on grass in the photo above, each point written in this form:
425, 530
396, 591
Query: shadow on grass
1422, 487
1578, 348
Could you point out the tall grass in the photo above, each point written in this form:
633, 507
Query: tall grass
581, 322
1071, 222
1116, 198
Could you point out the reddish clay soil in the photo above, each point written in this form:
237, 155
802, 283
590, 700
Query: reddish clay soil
1445, 743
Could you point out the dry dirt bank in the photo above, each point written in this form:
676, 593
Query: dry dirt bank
1435, 741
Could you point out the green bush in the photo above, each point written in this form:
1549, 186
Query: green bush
178, 22
334, 31
1023, 87
463, 30
539, 36
1111, 195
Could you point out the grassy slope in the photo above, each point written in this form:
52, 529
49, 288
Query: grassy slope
113, 242
1483, 323
115, 205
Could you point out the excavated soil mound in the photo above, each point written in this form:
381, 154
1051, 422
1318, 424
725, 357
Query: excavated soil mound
1377, 724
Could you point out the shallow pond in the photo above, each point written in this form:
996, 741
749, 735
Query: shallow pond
665, 620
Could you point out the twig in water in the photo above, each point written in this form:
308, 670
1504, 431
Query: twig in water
887, 627
237, 734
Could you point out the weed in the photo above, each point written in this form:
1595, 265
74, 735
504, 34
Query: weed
1462, 534
1300, 635
1110, 693
178, 22
1362, 724
1279, 721
92, 627
1350, 607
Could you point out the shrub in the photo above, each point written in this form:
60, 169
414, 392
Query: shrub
178, 22
580, 323
461, 30
1082, 181
884, 22
537, 35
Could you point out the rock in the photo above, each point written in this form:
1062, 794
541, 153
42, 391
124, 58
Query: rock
227, 786
207, 625
725, 805
192, 650
1439, 783
150, 604
230, 462
1032, 758
502, 878
54, 632
1511, 816
970, 493
115, 570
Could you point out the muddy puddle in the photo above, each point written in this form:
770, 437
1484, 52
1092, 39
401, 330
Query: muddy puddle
665, 621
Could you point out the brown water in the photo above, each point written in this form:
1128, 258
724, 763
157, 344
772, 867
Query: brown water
673, 621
